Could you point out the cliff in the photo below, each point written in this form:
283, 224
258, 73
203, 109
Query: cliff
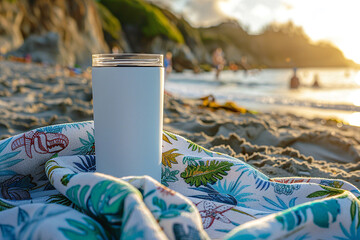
68, 31
75, 24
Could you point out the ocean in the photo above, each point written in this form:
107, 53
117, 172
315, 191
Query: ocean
268, 90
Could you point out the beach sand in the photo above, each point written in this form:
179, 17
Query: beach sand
279, 145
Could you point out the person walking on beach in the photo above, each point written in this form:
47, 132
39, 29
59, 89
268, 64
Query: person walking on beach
294, 81
218, 61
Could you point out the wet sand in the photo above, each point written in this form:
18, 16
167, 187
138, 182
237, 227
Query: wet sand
279, 145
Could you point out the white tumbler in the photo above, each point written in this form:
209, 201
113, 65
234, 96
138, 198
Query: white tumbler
128, 113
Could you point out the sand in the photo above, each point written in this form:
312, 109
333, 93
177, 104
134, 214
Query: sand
279, 145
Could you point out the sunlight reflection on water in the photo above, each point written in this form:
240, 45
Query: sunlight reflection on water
268, 90
353, 119
357, 78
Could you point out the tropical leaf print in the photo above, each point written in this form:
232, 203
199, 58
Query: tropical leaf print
328, 192
205, 173
66, 179
278, 204
5, 206
104, 202
8, 231
168, 176
355, 207
50, 166
59, 128
190, 160
294, 217
17, 187
6, 160
193, 146
331, 183
88, 163
232, 193
29, 223
261, 181
241, 212
90, 229
169, 157
171, 135
353, 232
133, 233
62, 200
53, 129
166, 139
191, 232
171, 211
88, 146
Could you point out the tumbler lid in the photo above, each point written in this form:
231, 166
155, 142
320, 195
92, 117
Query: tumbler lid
127, 60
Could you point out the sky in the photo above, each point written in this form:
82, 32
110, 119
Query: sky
322, 20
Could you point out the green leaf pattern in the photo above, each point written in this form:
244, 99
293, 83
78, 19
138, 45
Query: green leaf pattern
207, 189
206, 172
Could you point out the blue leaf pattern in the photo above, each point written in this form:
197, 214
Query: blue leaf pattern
232, 206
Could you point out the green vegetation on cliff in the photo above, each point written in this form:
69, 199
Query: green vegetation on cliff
278, 46
142, 15
109, 22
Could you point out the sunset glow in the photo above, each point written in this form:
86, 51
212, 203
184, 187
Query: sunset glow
354, 119
322, 20
325, 20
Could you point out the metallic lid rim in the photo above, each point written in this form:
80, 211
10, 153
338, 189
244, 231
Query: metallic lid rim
127, 59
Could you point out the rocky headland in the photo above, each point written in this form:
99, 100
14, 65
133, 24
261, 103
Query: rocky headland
68, 32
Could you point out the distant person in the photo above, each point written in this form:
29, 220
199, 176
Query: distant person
218, 61
244, 64
168, 63
316, 83
294, 81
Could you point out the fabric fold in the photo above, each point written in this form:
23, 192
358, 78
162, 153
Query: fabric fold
48, 184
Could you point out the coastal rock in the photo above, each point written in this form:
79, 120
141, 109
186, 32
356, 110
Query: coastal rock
88, 26
231, 37
10, 21
184, 58
113, 33
142, 22
191, 36
182, 55
76, 22
45, 48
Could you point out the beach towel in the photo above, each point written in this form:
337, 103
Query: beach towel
49, 190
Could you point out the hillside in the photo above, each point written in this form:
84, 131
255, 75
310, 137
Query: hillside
67, 32
278, 46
